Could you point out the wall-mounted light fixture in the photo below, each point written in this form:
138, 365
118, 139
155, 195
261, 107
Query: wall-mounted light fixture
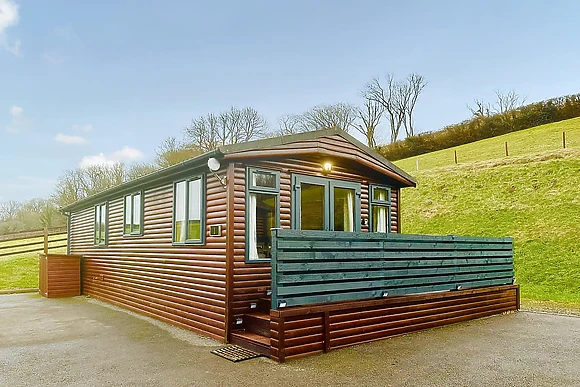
282, 304
214, 165
326, 168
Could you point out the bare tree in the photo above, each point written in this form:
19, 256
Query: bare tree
480, 109
507, 101
415, 85
230, 127
335, 116
388, 96
171, 151
370, 117
398, 98
79, 183
290, 124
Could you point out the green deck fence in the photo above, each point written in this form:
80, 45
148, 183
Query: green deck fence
310, 267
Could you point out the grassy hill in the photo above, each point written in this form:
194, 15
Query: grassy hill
531, 141
534, 197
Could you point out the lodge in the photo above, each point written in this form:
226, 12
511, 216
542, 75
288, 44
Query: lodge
287, 246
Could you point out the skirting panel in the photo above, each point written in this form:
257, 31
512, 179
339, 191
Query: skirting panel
301, 331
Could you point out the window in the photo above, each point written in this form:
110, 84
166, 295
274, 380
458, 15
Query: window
325, 204
188, 219
101, 225
380, 209
262, 212
133, 215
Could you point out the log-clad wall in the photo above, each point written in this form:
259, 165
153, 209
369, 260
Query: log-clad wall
302, 331
252, 280
183, 285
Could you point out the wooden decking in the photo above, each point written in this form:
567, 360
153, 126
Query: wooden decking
302, 331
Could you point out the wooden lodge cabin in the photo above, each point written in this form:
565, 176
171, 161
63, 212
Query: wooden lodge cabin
287, 246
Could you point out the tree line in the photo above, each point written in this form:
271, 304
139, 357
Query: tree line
489, 119
389, 100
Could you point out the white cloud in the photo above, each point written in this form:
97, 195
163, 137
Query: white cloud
69, 140
16, 119
124, 155
53, 58
8, 18
86, 128
16, 111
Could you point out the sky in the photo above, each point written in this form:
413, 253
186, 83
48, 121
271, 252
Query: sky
107, 81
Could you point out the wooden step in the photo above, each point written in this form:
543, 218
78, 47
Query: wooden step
257, 322
251, 341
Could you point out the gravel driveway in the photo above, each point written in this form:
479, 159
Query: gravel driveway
80, 342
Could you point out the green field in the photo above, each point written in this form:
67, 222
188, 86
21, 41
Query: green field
20, 271
533, 197
541, 139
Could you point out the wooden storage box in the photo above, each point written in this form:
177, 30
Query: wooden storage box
60, 275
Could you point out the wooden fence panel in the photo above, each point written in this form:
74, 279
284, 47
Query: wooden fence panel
310, 267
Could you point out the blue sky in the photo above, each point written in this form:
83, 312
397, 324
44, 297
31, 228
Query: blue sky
83, 82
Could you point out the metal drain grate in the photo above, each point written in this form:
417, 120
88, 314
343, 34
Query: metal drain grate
235, 353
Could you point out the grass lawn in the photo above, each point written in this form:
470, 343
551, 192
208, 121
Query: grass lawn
20, 271
531, 141
535, 200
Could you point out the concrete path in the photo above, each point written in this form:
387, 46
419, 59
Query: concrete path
80, 342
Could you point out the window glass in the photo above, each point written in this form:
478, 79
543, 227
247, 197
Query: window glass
136, 213
263, 179
312, 207
127, 227
344, 209
262, 218
379, 218
103, 224
100, 224
380, 194
180, 229
97, 225
194, 213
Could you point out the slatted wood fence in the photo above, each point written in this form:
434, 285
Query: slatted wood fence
310, 267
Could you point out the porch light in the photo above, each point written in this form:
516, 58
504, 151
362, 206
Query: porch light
239, 321
282, 304
326, 168
514, 281
269, 292
385, 293
458, 287
253, 305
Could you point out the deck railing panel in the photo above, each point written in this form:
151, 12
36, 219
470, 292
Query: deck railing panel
310, 267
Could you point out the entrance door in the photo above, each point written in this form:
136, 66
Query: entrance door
325, 204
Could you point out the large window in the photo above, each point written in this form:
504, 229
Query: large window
188, 214
325, 204
380, 200
133, 217
101, 225
262, 212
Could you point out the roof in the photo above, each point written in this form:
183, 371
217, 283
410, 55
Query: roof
184, 168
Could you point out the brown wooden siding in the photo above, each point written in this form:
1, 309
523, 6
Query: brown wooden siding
301, 331
183, 285
60, 275
252, 280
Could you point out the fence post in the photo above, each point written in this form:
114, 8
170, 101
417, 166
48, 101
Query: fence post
564, 140
455, 151
45, 240
506, 149
417, 164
